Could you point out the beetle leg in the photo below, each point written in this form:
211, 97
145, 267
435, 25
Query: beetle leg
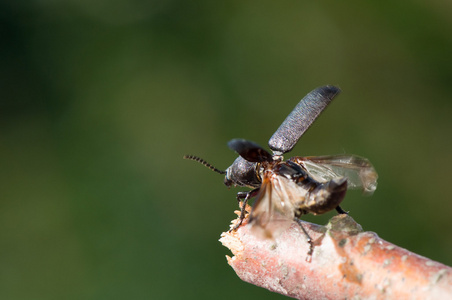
244, 196
308, 239
340, 210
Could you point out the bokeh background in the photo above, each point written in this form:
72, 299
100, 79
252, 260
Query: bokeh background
101, 99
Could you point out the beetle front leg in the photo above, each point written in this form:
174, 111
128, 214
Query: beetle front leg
244, 196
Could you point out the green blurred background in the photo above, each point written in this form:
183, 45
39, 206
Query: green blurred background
101, 99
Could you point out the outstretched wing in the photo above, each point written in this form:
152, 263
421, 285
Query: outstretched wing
358, 170
301, 118
249, 150
275, 206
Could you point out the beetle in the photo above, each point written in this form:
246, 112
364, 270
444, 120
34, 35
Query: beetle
287, 189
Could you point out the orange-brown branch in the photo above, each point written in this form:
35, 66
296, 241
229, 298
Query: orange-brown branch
347, 263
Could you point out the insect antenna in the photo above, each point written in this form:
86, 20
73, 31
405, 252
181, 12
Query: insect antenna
203, 162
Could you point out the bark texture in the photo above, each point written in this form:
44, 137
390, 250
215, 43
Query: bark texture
347, 263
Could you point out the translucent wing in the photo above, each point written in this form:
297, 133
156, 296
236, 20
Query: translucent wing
274, 209
358, 170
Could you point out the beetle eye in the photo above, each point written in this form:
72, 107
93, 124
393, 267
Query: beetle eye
227, 182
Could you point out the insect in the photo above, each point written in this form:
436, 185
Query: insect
287, 189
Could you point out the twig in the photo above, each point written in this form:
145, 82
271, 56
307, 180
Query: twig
347, 263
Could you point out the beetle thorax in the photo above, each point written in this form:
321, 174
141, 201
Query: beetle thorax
243, 173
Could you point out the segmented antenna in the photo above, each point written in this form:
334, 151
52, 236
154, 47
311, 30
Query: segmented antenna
203, 162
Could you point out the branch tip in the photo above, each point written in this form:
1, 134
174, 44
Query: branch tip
347, 262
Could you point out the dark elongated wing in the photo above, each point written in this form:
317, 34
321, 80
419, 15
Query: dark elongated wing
274, 209
358, 170
301, 118
250, 151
